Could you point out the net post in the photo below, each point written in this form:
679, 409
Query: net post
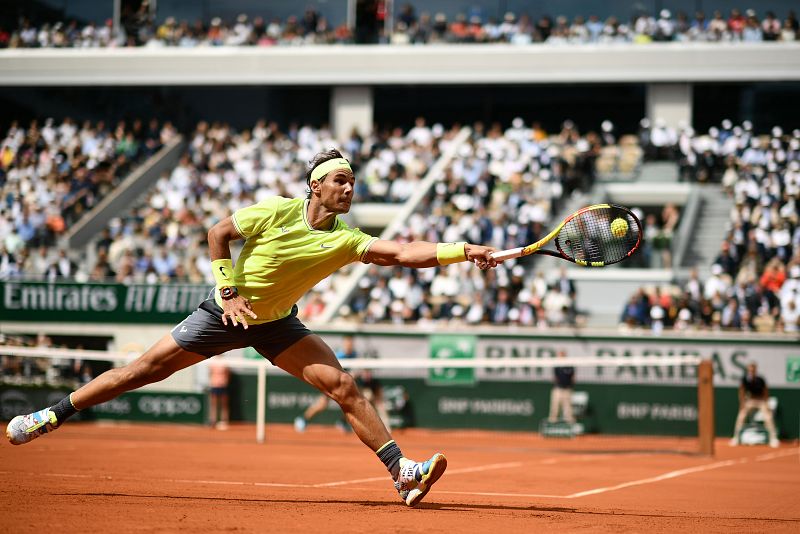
261, 403
705, 407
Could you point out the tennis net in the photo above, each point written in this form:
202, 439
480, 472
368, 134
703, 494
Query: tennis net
638, 395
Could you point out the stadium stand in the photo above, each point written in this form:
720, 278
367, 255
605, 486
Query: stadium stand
411, 28
755, 277
51, 175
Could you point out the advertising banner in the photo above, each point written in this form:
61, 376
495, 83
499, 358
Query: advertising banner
99, 303
154, 407
144, 406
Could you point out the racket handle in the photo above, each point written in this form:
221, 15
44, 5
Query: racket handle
502, 255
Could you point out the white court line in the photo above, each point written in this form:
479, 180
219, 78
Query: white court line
279, 485
498, 494
776, 454
665, 476
219, 482
343, 482
450, 472
650, 480
484, 468
239, 483
681, 472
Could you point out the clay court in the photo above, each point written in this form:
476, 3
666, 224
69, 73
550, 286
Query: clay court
159, 478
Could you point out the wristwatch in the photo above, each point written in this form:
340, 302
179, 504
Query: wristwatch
227, 293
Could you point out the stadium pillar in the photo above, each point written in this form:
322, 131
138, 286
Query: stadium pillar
705, 407
351, 107
670, 102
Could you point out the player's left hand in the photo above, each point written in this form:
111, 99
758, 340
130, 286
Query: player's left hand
481, 256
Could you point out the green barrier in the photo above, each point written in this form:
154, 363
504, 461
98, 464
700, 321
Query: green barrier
154, 407
99, 303
611, 409
145, 406
20, 400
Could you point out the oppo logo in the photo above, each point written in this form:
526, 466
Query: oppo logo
169, 405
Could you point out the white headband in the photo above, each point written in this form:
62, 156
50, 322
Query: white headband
323, 169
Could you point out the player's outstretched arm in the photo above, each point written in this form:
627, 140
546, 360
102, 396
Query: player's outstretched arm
420, 254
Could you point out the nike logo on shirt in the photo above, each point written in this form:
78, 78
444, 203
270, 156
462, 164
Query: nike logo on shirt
323, 245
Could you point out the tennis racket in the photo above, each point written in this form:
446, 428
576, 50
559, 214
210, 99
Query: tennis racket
594, 236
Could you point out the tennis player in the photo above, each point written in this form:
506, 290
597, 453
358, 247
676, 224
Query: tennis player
290, 245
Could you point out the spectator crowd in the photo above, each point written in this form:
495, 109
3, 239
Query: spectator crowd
412, 28
52, 174
755, 278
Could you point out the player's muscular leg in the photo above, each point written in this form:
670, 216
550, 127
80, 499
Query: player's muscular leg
312, 361
159, 362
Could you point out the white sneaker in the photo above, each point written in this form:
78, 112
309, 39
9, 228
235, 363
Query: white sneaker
416, 478
774, 443
299, 424
733, 442
25, 428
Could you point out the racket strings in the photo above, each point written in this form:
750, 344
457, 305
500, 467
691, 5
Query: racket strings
588, 236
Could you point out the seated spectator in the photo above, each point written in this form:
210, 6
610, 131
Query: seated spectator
312, 28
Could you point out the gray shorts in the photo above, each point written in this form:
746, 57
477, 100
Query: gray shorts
203, 333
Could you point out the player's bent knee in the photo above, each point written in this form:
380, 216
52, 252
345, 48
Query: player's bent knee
345, 390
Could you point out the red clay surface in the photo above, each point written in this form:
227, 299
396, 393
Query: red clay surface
159, 478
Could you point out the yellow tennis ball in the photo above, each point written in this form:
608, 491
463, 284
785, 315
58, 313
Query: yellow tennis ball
619, 227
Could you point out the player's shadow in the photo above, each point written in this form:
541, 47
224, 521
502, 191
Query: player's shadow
454, 507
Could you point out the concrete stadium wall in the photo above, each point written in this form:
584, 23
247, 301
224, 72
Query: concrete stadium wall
378, 65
